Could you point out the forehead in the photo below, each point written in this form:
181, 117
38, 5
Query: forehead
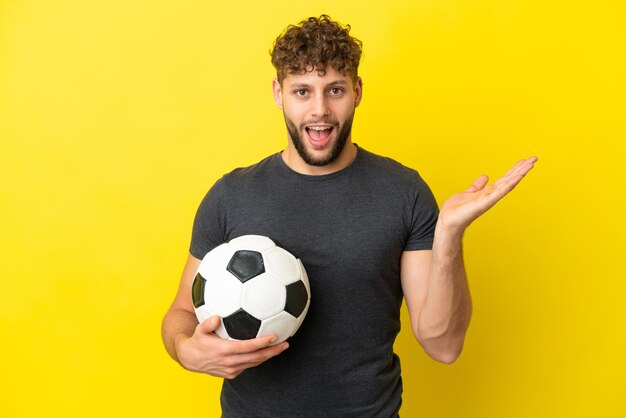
314, 79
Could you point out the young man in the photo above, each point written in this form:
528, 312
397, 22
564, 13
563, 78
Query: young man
367, 230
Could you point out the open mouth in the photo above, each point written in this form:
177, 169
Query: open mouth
319, 135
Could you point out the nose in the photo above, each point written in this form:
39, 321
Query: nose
320, 106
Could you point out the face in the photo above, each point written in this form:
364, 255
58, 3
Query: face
318, 112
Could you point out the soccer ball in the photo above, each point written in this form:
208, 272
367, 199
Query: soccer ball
256, 287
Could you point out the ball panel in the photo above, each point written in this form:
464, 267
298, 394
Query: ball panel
304, 277
283, 325
263, 297
241, 325
197, 291
297, 298
245, 265
203, 313
282, 265
222, 293
221, 331
305, 280
251, 242
300, 319
215, 261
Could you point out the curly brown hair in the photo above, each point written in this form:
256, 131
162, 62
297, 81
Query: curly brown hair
315, 44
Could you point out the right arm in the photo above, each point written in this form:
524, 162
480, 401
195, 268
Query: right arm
196, 346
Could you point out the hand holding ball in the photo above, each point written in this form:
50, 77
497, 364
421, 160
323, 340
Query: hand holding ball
256, 287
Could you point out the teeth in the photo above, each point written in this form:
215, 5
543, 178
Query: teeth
319, 128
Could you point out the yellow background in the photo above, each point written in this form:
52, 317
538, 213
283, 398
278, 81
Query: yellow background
116, 117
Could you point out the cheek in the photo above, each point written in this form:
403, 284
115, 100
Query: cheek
294, 112
344, 111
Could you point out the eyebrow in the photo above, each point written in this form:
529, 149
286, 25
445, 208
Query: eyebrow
340, 82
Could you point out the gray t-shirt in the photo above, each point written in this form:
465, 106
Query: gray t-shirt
349, 229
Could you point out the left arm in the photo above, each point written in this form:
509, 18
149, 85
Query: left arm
434, 282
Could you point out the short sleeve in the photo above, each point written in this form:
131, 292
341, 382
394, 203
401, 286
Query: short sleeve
424, 216
210, 222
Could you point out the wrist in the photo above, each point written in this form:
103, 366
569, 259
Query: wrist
449, 232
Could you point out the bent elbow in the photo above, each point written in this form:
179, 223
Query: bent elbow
443, 344
448, 357
441, 350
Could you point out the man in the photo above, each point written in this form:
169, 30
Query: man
367, 230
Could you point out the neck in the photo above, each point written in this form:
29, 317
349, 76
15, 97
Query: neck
296, 163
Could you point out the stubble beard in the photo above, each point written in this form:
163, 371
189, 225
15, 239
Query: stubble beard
340, 142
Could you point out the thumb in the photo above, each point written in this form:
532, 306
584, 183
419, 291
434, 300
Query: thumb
209, 325
478, 184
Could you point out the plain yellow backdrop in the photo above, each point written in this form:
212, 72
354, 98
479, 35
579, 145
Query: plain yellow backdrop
117, 116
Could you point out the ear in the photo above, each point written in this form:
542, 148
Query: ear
358, 89
278, 93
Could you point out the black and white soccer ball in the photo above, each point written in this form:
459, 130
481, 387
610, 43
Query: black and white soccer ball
256, 287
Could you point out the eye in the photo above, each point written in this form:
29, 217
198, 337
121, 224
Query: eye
336, 91
300, 92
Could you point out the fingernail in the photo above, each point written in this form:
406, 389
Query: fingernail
273, 340
286, 346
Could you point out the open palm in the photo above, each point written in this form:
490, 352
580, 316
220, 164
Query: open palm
460, 210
